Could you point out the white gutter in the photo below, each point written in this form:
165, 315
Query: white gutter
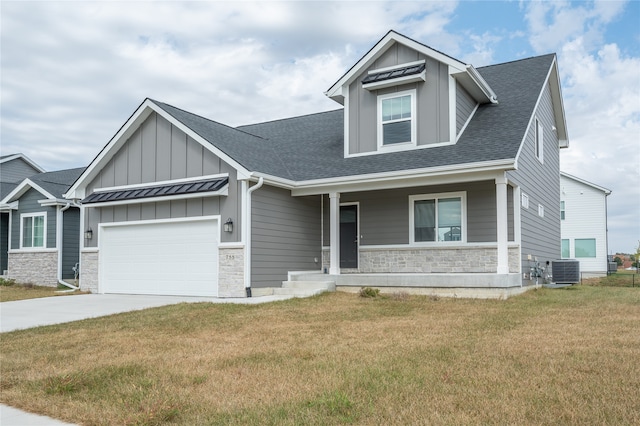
59, 242
247, 236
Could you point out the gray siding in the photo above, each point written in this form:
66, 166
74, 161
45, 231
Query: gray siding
432, 102
465, 105
541, 183
16, 171
70, 241
285, 234
384, 215
29, 204
159, 151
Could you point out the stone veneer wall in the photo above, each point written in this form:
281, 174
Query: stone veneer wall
89, 271
231, 272
429, 260
38, 267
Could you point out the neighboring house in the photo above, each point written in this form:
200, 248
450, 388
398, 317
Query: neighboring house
44, 229
583, 215
432, 175
13, 169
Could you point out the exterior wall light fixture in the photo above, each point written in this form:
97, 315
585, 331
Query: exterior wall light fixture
228, 225
88, 234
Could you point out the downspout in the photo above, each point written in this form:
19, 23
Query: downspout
247, 246
60, 243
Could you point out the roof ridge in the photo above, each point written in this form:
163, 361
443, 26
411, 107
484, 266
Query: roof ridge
517, 60
205, 118
291, 118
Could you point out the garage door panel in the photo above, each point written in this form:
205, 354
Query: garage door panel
177, 258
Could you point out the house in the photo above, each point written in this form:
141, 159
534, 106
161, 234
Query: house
431, 176
583, 218
13, 169
43, 235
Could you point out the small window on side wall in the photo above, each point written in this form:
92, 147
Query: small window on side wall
396, 119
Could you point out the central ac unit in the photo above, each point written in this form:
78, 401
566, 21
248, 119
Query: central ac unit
565, 271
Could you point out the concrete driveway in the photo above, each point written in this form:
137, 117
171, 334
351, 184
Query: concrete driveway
56, 310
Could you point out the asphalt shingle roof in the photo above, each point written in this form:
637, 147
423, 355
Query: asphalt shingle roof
58, 182
311, 146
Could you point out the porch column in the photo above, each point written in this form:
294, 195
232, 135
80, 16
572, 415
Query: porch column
502, 225
334, 233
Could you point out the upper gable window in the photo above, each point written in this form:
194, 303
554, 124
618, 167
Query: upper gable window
396, 119
539, 141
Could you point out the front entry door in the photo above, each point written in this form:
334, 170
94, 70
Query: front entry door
349, 236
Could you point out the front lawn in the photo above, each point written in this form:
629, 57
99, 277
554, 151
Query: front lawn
10, 291
549, 356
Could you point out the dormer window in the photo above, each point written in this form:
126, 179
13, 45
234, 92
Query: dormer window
396, 119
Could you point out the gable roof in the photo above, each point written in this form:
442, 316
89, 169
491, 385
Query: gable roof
584, 182
309, 150
464, 73
52, 185
11, 157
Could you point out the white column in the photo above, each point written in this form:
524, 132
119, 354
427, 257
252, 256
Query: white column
502, 225
334, 233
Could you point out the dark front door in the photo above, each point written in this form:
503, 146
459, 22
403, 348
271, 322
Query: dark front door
349, 236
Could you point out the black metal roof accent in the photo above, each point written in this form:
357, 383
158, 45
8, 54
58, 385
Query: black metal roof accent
394, 73
209, 185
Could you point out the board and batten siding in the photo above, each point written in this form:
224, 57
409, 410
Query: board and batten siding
70, 241
585, 218
158, 151
285, 235
384, 215
432, 102
465, 105
16, 171
29, 204
540, 181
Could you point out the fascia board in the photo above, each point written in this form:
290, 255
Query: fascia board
55, 202
587, 183
535, 108
10, 206
428, 176
559, 113
21, 189
475, 84
77, 190
391, 37
25, 159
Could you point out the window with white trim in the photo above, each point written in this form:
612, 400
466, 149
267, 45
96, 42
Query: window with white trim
562, 210
539, 142
396, 119
33, 227
437, 218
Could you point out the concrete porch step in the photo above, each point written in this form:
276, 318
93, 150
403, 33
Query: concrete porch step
297, 289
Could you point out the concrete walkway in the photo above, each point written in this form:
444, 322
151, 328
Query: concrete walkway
30, 313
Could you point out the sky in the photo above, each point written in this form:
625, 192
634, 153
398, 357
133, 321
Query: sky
71, 73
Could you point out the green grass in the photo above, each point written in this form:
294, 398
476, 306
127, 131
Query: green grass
549, 356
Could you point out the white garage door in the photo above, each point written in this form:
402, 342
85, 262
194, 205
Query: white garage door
170, 258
